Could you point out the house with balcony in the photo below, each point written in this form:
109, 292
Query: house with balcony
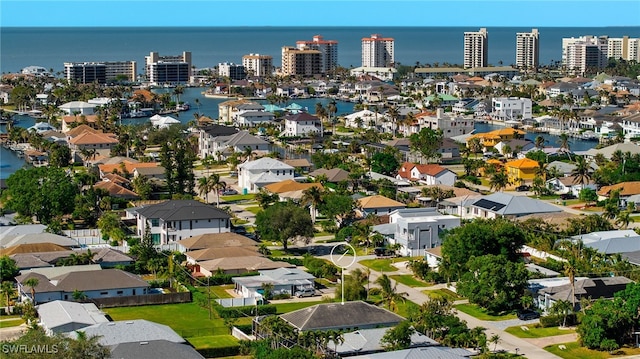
450, 125
416, 229
174, 220
253, 175
301, 124
490, 139
221, 147
511, 109
521, 171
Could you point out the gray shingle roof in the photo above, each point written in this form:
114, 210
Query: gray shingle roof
336, 316
156, 349
244, 138
98, 280
368, 341
113, 333
593, 288
420, 353
510, 205
179, 210
58, 313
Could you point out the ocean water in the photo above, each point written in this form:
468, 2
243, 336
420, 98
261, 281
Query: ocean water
51, 47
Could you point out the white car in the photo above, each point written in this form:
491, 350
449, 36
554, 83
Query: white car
305, 292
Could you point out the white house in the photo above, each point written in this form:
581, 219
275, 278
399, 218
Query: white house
163, 121
365, 119
253, 175
77, 107
253, 118
301, 124
568, 185
178, 219
382, 73
64, 317
511, 108
417, 229
284, 280
429, 174
451, 125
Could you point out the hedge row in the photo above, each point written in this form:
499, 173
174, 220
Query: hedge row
248, 311
220, 351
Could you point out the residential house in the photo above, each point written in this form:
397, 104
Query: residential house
505, 205
74, 121
517, 146
207, 136
369, 341
608, 151
221, 147
125, 167
301, 165
228, 109
101, 142
253, 118
131, 331
77, 107
627, 189
290, 189
239, 265
153, 172
214, 240
611, 242
566, 169
301, 124
451, 125
161, 122
511, 109
253, 175
116, 190
561, 88
430, 174
59, 316
377, 205
333, 175
207, 254
105, 257
522, 170
104, 283
156, 349
14, 238
569, 185
284, 281
490, 139
365, 119
174, 220
592, 288
416, 229
431, 352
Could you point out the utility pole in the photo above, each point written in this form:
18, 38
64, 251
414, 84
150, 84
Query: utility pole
209, 295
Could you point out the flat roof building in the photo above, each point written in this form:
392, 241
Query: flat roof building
624, 48
258, 65
231, 70
301, 62
476, 46
101, 72
328, 50
584, 53
378, 51
528, 49
168, 69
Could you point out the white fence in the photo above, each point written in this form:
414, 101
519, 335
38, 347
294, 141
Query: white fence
237, 302
86, 237
541, 254
240, 335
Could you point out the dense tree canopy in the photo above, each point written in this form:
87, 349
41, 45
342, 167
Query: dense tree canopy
282, 222
8, 269
43, 192
385, 163
478, 238
427, 142
337, 206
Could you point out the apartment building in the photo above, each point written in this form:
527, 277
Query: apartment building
168, 69
451, 126
258, 65
623, 48
301, 62
378, 51
476, 46
328, 51
102, 72
231, 70
528, 49
585, 52
511, 108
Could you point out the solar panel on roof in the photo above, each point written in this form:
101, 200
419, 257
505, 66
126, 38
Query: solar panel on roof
490, 205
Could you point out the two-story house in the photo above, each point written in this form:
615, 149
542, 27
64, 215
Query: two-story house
178, 219
301, 124
416, 229
221, 147
253, 175
429, 174
522, 170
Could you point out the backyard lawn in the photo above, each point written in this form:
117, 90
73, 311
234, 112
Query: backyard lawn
537, 332
253, 209
574, 350
442, 293
290, 307
213, 341
238, 197
383, 264
10, 321
480, 313
409, 280
219, 291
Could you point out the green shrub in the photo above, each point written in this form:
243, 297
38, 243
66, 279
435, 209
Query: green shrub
473, 179
282, 296
344, 233
247, 311
320, 268
290, 260
329, 226
557, 320
220, 351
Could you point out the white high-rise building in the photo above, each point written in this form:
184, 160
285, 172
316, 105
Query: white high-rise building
377, 51
584, 53
528, 49
258, 65
328, 49
476, 48
623, 48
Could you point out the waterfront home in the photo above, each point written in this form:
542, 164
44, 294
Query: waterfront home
505, 205
104, 283
77, 107
511, 109
253, 118
253, 175
450, 125
284, 281
377, 205
41, 127
365, 119
569, 185
522, 170
101, 142
490, 139
61, 316
174, 220
381, 73
228, 109
416, 229
161, 122
301, 124
207, 136
631, 125
429, 174
608, 151
222, 146
74, 121
515, 146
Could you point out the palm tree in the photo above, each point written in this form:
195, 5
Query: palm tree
78, 295
87, 257
499, 180
562, 307
563, 140
312, 196
265, 199
495, 339
539, 142
32, 283
475, 146
582, 172
623, 218
389, 293
216, 185
247, 153
7, 289
571, 266
203, 188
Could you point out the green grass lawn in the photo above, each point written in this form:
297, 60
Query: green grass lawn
6, 322
238, 197
481, 313
290, 307
402, 307
408, 279
383, 265
442, 293
220, 291
537, 332
213, 341
253, 209
574, 350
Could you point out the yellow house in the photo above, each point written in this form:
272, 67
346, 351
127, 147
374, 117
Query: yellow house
522, 170
490, 139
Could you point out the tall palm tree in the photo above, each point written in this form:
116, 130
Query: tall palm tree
563, 141
499, 180
389, 293
583, 171
539, 142
32, 283
562, 307
216, 185
495, 339
7, 289
203, 188
313, 197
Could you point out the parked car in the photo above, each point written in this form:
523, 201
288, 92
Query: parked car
523, 188
305, 292
528, 314
239, 229
566, 196
229, 192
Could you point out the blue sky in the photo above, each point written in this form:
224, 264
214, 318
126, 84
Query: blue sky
540, 13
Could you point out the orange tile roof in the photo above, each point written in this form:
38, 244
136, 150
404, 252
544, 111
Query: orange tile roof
129, 166
430, 169
290, 186
378, 201
626, 188
522, 163
115, 189
88, 138
76, 131
87, 118
148, 96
